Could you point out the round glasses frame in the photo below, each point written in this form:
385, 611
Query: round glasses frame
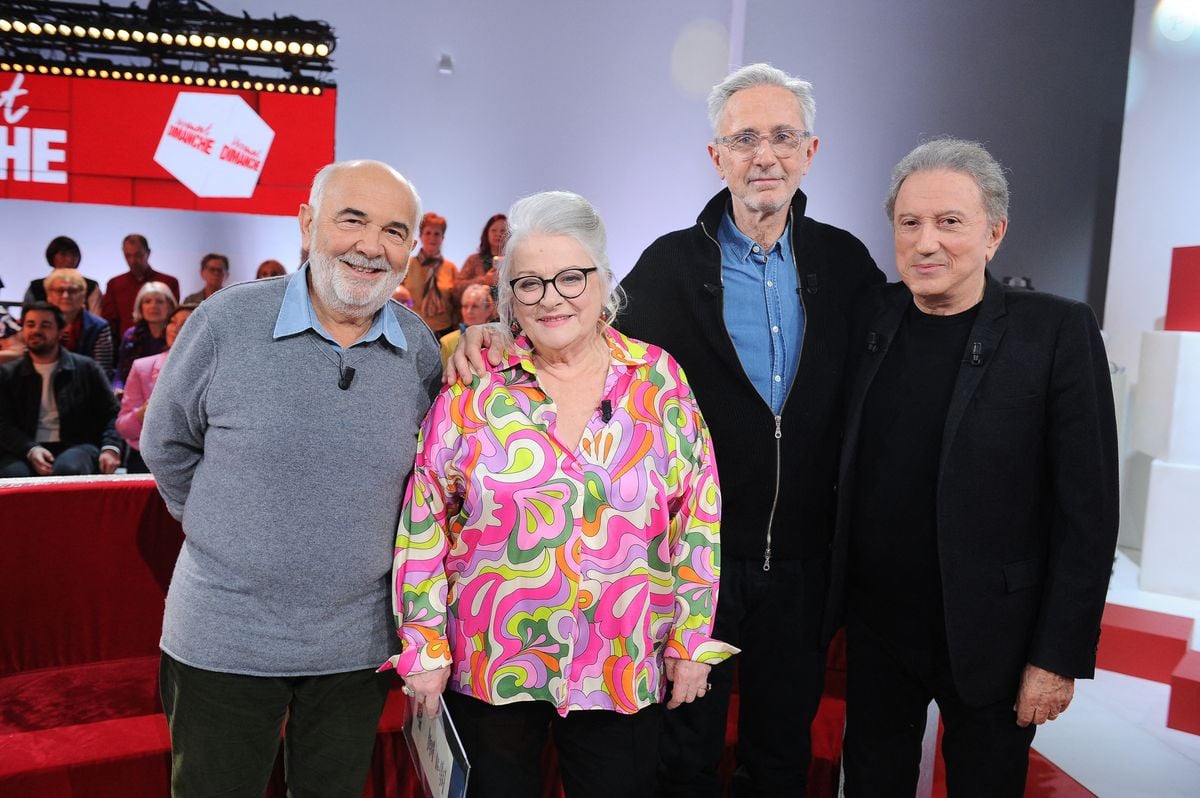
568, 293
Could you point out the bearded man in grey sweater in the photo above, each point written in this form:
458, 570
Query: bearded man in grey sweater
281, 432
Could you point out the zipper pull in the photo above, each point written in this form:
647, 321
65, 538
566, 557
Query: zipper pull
767, 559
778, 424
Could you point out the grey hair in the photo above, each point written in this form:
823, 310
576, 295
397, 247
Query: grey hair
955, 155
151, 288
70, 276
754, 75
317, 194
555, 213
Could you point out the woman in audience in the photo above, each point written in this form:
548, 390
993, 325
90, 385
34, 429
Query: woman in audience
138, 387
63, 253
558, 549
269, 268
151, 308
477, 308
85, 333
479, 268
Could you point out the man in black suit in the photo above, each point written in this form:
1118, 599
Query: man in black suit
977, 494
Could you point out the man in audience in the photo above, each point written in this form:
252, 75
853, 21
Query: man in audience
122, 290
478, 307
85, 333
214, 270
57, 411
978, 494
431, 277
269, 268
63, 253
286, 465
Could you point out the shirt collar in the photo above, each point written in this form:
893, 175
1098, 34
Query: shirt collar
296, 315
623, 352
740, 245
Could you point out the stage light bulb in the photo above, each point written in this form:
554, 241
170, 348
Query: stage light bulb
322, 50
237, 43
223, 83
194, 40
281, 47
294, 48
153, 78
50, 29
166, 38
316, 90
140, 76
35, 29
19, 26
210, 41
252, 44
138, 36
265, 45
94, 33
305, 90
127, 75
235, 84
42, 70
79, 31
18, 68
5, 25
187, 79
258, 85
294, 89
109, 33
174, 78
123, 35
307, 48
223, 42
91, 73
212, 82
103, 73
55, 70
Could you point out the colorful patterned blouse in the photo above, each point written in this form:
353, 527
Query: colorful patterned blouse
541, 574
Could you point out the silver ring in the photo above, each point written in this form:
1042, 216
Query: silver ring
407, 690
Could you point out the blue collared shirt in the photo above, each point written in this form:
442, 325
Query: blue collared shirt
296, 315
763, 312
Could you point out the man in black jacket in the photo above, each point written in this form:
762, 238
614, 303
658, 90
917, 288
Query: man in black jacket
754, 302
977, 499
57, 410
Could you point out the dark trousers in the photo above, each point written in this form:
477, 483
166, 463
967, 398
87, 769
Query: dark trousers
225, 730
887, 698
774, 617
600, 753
69, 461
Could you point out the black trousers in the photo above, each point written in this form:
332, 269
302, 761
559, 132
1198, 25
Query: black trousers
225, 730
600, 753
887, 698
774, 617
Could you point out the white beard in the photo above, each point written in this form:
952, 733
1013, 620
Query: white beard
344, 295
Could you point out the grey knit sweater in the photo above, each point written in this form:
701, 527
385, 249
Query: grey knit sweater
288, 488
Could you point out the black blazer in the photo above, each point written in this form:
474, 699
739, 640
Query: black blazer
1027, 486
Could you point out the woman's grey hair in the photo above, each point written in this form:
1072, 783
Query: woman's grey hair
149, 289
317, 194
956, 155
760, 75
555, 213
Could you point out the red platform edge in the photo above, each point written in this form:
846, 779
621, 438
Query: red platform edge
1183, 712
1142, 643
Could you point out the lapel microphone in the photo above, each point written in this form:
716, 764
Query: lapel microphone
976, 353
606, 411
713, 289
810, 284
872, 342
345, 377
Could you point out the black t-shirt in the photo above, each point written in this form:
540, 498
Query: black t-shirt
896, 587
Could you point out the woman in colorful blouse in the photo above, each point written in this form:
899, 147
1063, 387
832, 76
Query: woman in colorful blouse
152, 307
558, 551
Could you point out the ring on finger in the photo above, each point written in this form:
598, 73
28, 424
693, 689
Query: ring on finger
407, 690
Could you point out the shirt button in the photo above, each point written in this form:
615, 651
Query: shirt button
756, 249
770, 283
774, 328
778, 378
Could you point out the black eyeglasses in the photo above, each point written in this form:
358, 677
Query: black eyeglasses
569, 283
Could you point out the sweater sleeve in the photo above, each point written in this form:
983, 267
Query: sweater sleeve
176, 421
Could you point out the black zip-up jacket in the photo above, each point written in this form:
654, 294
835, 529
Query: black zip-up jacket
777, 474
87, 409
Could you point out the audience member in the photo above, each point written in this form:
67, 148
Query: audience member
148, 335
63, 253
57, 411
402, 295
269, 268
431, 278
478, 267
214, 270
478, 307
120, 296
12, 345
138, 387
85, 332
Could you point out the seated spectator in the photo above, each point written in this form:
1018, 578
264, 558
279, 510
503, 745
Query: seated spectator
402, 295
85, 332
12, 345
214, 270
269, 268
138, 388
63, 253
148, 336
478, 268
431, 277
478, 307
57, 411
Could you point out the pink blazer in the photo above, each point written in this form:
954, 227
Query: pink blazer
142, 376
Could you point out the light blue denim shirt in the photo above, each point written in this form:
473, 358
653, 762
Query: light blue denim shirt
763, 312
296, 315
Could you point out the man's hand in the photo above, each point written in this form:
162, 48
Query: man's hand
467, 360
689, 680
427, 687
41, 460
1043, 696
110, 461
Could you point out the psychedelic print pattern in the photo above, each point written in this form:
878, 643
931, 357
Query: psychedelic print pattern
549, 575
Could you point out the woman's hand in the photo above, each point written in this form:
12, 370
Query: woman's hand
427, 687
689, 680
